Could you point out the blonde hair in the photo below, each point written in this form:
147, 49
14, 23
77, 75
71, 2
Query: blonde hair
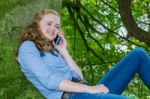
32, 32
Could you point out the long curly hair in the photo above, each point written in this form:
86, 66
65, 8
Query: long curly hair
33, 33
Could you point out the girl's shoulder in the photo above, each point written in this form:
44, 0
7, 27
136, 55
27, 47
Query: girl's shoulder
27, 42
28, 45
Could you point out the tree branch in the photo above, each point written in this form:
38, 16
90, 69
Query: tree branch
82, 35
131, 26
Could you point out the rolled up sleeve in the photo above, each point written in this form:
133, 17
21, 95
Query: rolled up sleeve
35, 68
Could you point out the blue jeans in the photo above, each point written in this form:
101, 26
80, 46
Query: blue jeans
120, 75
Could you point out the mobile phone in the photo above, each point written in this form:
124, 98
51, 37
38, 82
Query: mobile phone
57, 40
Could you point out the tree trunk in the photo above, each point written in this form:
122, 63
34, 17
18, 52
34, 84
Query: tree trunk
17, 16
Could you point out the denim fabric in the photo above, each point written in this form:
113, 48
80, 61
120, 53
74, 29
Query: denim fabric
120, 75
96, 96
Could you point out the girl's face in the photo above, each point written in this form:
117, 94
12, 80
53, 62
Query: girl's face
50, 26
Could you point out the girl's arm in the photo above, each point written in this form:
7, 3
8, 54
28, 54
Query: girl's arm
71, 62
65, 54
69, 86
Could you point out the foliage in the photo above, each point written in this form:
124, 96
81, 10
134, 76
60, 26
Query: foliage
100, 30
103, 50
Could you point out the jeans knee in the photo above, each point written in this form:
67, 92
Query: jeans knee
139, 51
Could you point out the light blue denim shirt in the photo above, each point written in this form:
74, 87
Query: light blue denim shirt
44, 71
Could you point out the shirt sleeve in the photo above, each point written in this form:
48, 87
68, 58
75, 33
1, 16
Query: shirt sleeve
29, 58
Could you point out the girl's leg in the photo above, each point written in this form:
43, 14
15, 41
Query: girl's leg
118, 77
96, 96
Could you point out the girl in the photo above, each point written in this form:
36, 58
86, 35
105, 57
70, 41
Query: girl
47, 64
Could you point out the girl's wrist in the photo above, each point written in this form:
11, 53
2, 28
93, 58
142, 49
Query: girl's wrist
87, 89
63, 51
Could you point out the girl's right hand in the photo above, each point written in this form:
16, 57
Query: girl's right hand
63, 44
98, 89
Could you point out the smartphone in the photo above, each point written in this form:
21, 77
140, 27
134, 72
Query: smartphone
57, 40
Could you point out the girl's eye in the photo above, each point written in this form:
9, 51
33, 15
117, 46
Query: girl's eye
57, 27
49, 24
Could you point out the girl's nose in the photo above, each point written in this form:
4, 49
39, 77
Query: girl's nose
52, 28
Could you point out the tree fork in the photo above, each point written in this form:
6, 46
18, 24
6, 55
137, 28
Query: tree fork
124, 7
